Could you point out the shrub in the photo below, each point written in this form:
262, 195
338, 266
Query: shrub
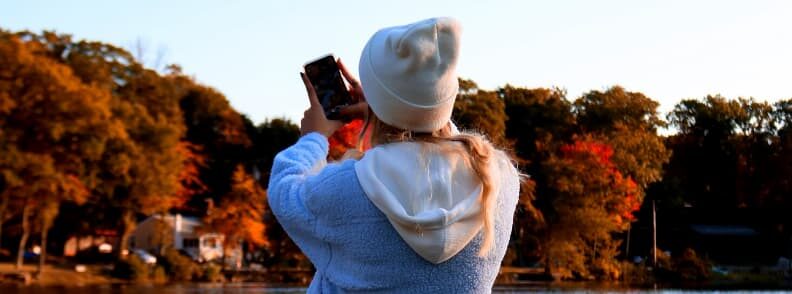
131, 268
636, 274
159, 275
690, 267
178, 266
213, 273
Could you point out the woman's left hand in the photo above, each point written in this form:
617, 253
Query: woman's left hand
314, 119
358, 108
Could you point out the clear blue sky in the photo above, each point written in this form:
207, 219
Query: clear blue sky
252, 51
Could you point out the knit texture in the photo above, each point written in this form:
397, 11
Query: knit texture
408, 73
353, 245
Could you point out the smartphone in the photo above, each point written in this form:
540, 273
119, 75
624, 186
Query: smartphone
329, 85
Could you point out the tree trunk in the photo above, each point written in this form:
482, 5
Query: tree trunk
128, 223
3, 206
43, 255
25, 233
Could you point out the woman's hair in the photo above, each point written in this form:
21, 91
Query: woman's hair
477, 153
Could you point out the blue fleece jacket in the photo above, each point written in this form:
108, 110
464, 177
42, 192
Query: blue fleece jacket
351, 243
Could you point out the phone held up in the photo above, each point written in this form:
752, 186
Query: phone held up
329, 85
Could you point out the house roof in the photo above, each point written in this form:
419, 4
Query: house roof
724, 230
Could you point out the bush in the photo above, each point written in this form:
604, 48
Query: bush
213, 273
131, 268
178, 266
636, 274
159, 275
690, 267
685, 267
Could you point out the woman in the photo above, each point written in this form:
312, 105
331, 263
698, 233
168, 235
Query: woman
427, 209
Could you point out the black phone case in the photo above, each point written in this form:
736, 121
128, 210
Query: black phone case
328, 83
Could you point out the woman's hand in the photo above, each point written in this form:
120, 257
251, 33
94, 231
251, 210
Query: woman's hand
314, 119
359, 107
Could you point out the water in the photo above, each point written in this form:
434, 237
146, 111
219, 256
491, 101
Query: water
265, 288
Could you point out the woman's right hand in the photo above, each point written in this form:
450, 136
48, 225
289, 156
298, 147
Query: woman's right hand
314, 119
359, 107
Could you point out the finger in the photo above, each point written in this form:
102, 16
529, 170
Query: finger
335, 125
311, 92
353, 81
354, 110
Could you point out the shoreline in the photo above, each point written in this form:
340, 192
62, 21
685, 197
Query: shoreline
98, 276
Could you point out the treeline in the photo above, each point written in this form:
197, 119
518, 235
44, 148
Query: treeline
92, 140
595, 161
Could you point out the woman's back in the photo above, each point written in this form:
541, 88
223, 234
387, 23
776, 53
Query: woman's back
354, 245
428, 209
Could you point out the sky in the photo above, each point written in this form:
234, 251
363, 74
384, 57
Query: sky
252, 51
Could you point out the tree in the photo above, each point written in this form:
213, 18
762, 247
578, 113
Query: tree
55, 127
344, 138
271, 137
627, 121
705, 153
592, 200
239, 215
536, 118
480, 110
538, 122
223, 136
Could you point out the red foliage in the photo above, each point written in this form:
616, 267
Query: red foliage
345, 138
601, 153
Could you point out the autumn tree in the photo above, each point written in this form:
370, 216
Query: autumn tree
628, 122
345, 138
222, 135
538, 122
702, 167
592, 200
139, 164
480, 110
239, 214
271, 137
54, 129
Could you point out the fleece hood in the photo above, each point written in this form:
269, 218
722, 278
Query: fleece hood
429, 195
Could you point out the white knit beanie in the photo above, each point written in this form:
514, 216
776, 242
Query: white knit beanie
408, 74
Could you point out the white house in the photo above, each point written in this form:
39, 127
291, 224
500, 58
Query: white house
181, 232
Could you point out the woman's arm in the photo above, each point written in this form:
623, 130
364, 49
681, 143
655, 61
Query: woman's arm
288, 194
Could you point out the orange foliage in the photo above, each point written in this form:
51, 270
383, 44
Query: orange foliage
190, 173
345, 138
239, 216
626, 187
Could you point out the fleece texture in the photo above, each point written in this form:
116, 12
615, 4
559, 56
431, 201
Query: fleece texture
353, 245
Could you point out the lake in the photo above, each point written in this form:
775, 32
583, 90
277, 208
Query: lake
265, 288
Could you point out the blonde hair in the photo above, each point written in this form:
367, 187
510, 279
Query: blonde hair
479, 154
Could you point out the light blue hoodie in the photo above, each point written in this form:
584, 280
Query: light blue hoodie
392, 221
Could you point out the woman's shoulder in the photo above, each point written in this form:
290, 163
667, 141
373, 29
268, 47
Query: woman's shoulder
335, 194
329, 175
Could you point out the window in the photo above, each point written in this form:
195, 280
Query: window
190, 243
210, 242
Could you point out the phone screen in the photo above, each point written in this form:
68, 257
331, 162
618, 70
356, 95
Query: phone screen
328, 84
